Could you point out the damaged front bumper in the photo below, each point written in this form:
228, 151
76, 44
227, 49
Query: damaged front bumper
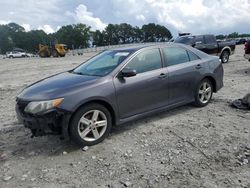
54, 121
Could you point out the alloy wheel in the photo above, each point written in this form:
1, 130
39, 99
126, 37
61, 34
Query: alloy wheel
205, 92
92, 125
225, 57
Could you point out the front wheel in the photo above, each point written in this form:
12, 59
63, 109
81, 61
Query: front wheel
224, 56
90, 125
203, 93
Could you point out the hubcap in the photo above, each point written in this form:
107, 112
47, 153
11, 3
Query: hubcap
225, 57
92, 125
205, 92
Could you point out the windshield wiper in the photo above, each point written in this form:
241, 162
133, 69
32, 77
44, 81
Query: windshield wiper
80, 73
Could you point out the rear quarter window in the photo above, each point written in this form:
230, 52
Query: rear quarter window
192, 56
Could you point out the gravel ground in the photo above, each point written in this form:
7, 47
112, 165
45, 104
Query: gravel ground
185, 147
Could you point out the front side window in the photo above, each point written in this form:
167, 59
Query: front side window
103, 63
145, 61
175, 56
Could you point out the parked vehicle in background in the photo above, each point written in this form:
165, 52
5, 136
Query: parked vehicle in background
247, 50
118, 86
209, 45
15, 54
30, 55
240, 41
55, 50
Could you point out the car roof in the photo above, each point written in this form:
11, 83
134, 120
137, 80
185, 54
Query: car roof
195, 35
142, 46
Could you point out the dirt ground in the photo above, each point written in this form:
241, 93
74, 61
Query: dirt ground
185, 147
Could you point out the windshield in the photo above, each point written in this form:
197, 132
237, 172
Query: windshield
102, 64
184, 40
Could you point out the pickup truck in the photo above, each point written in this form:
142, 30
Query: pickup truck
14, 54
209, 45
247, 50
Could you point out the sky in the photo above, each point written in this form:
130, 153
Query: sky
194, 16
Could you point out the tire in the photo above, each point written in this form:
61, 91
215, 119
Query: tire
225, 56
43, 54
54, 53
203, 94
82, 128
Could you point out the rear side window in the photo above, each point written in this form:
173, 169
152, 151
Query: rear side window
210, 39
185, 40
192, 56
146, 61
199, 39
175, 56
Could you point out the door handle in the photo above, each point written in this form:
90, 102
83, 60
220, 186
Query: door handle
162, 75
198, 66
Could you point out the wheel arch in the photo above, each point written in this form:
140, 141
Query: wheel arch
213, 81
226, 48
106, 104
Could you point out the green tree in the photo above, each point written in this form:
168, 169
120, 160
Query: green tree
233, 35
73, 35
98, 38
155, 33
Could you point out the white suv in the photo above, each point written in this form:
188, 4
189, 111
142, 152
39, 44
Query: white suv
15, 54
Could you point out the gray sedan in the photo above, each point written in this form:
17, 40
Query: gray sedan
118, 86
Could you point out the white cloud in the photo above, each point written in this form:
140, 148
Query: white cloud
140, 17
4, 22
46, 28
197, 16
81, 14
58, 27
26, 27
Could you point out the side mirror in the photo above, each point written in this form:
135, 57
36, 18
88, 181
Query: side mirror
126, 72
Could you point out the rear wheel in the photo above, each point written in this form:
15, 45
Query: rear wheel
203, 93
90, 125
224, 56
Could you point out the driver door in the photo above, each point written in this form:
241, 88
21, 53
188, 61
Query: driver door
145, 91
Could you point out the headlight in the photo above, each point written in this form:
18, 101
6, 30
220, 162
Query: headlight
40, 106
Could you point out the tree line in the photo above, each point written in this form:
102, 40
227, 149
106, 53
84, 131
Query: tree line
80, 36
233, 35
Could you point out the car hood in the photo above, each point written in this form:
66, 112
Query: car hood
56, 86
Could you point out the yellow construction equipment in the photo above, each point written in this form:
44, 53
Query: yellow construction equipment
56, 50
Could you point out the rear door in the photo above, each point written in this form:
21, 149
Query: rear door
147, 90
184, 71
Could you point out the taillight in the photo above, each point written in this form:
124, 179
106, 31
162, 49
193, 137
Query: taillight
246, 46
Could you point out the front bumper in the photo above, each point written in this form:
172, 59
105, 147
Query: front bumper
54, 121
247, 56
